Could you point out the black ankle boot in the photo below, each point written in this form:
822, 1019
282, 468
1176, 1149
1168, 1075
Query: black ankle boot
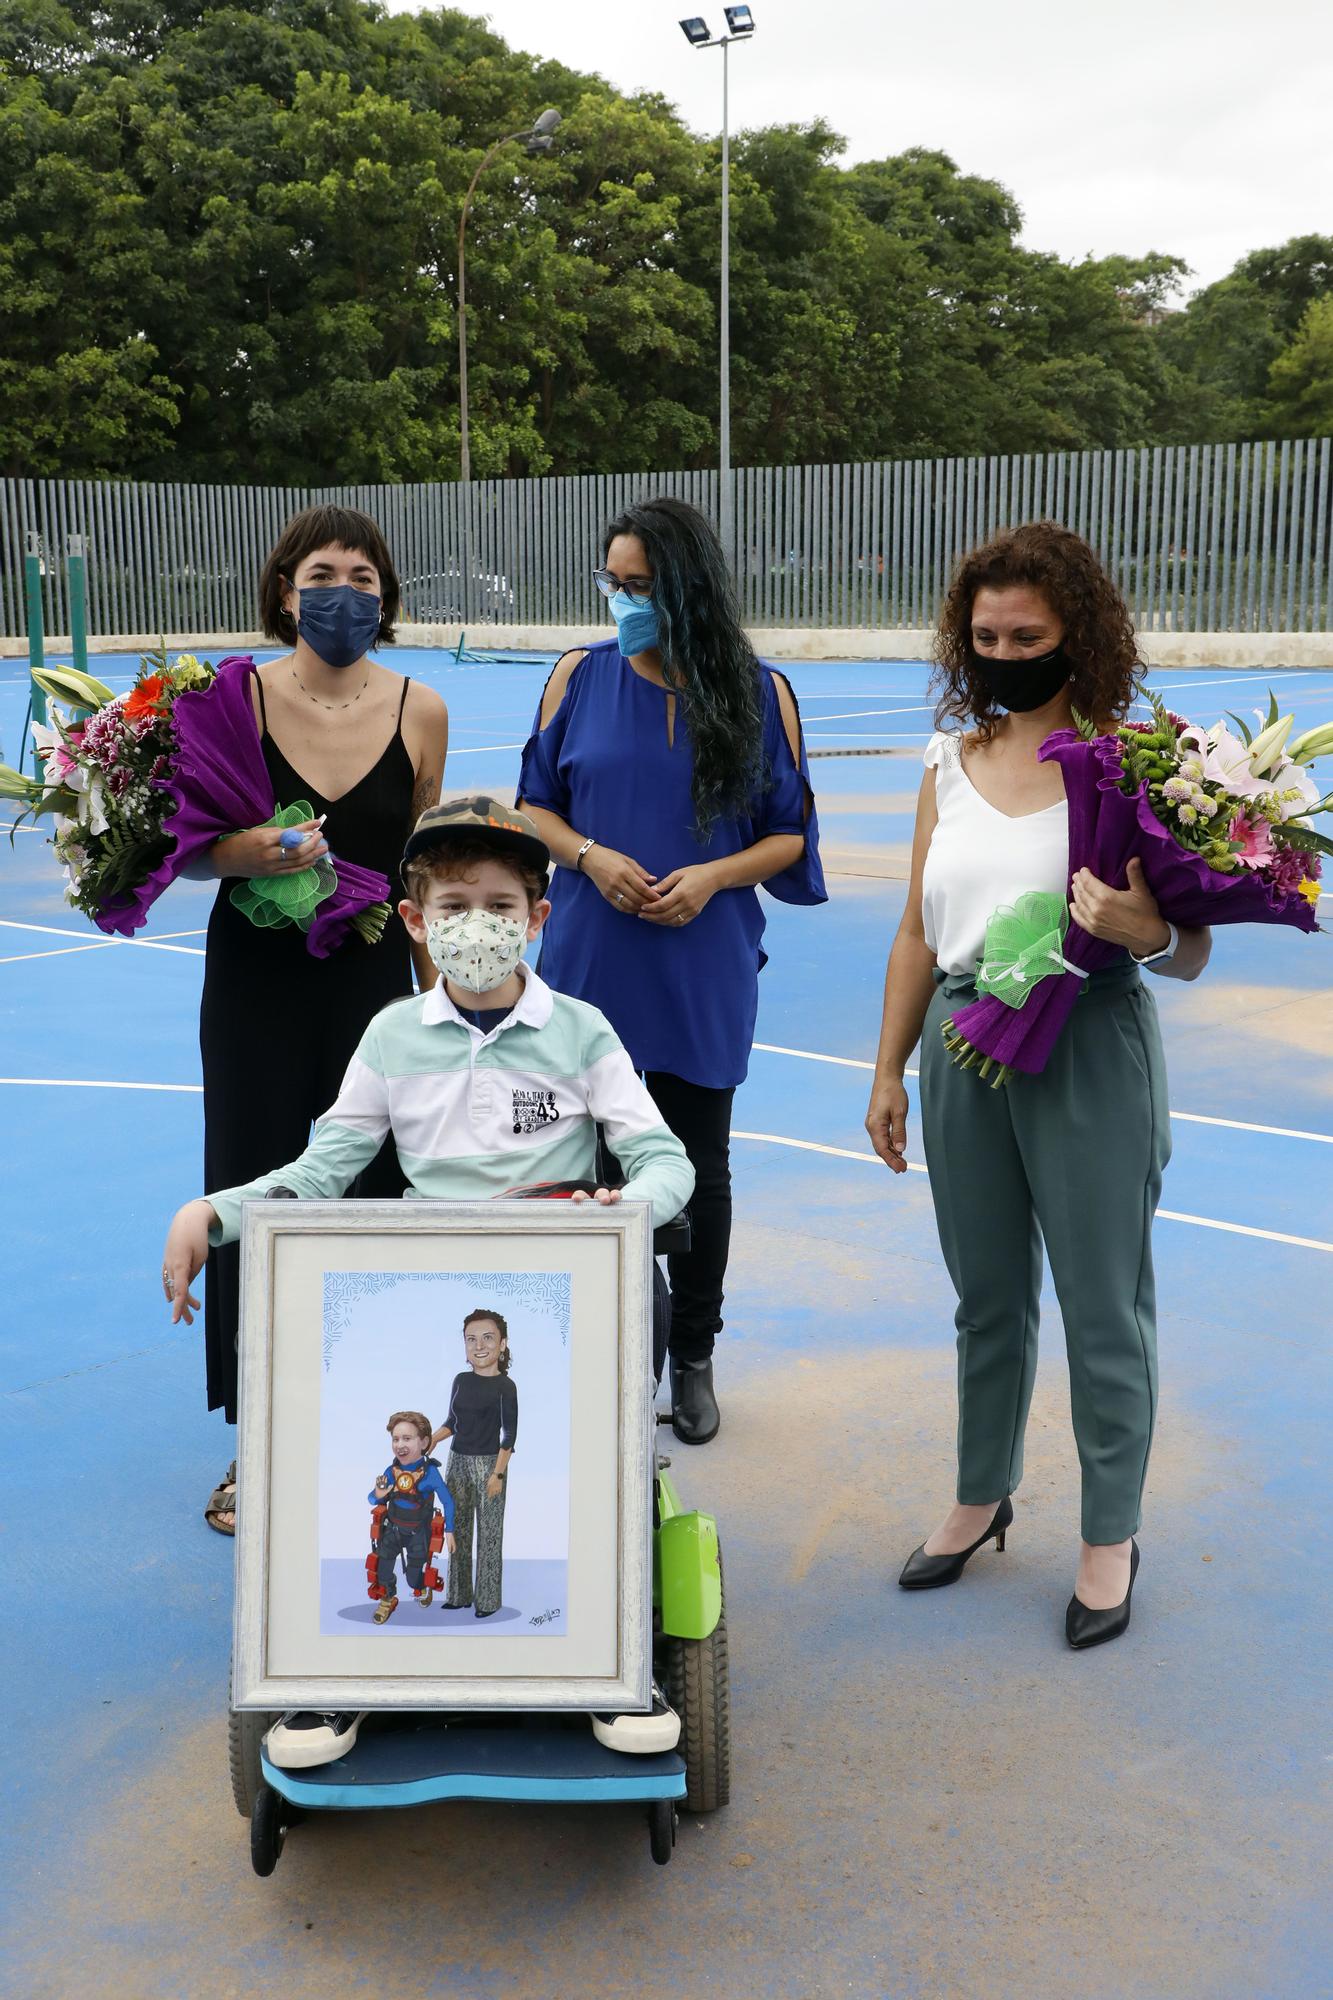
694, 1412
1084, 1628
923, 1572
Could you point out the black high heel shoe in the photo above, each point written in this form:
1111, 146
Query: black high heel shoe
923, 1572
1085, 1628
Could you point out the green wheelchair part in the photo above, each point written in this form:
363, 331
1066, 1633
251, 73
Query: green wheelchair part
687, 1578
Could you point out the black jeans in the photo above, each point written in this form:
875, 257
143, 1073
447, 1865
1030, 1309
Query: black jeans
701, 1120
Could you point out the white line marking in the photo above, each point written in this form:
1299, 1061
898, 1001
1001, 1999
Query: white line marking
809, 1146
97, 1083
149, 944
58, 951
1164, 1214
480, 749
1189, 1117
854, 714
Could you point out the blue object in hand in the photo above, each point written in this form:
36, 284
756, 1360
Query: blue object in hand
291, 836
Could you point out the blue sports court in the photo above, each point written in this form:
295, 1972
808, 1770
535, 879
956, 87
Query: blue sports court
930, 1795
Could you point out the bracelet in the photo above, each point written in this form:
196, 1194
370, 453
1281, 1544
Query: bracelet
1168, 949
578, 858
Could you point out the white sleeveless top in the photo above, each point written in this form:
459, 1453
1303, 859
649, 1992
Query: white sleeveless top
980, 859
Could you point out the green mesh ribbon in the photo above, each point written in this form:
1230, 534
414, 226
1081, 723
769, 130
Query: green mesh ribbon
1024, 946
273, 901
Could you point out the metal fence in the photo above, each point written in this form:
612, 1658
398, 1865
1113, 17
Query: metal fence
1198, 538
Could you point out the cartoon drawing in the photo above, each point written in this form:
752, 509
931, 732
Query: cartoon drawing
405, 1524
482, 1425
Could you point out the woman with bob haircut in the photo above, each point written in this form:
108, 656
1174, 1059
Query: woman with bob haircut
366, 748
1033, 630
667, 775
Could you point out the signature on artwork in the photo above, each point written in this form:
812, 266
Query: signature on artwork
543, 1617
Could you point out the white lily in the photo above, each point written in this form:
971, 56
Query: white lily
1314, 743
1223, 761
90, 786
1268, 746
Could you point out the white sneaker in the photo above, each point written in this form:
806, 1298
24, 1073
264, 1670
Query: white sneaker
304, 1737
640, 1735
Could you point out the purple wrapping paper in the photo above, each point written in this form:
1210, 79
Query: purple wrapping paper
219, 783
1106, 829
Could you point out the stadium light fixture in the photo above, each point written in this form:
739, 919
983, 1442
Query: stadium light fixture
537, 138
740, 27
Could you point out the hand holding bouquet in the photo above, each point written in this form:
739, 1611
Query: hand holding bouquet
1220, 825
142, 785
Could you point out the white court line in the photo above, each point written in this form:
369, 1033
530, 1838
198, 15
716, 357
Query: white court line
481, 749
59, 951
97, 1083
1189, 1117
759, 1139
1164, 1214
145, 944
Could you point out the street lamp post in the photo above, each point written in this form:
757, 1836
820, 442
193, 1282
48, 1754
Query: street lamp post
740, 27
538, 138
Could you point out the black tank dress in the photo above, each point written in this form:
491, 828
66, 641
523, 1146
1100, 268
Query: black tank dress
277, 1027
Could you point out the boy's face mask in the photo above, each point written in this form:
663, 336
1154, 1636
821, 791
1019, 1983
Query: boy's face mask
476, 949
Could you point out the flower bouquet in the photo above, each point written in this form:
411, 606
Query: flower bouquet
1221, 824
141, 785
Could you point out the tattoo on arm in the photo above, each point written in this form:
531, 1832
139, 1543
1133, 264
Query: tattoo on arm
426, 793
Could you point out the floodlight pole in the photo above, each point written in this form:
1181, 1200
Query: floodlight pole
726, 524
538, 138
725, 510
464, 450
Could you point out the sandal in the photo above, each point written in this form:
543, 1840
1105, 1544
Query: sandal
222, 1501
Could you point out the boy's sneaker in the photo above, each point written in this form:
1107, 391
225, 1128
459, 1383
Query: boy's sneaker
304, 1737
385, 1609
640, 1735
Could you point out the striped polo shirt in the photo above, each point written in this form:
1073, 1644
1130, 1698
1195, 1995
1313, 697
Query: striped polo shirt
474, 1114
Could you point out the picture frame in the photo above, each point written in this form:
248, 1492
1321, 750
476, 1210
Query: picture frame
351, 1314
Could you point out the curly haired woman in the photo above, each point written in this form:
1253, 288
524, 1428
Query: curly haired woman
667, 775
1032, 631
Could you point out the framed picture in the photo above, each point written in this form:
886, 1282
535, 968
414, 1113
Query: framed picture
445, 1456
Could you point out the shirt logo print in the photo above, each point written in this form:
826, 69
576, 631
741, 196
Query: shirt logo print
533, 1109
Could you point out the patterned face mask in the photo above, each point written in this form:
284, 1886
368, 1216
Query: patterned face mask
476, 949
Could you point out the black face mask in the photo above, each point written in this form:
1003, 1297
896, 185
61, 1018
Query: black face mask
1022, 685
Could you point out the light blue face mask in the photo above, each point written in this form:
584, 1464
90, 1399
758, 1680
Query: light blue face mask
637, 625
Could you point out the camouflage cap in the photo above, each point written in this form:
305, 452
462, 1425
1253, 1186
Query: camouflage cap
478, 817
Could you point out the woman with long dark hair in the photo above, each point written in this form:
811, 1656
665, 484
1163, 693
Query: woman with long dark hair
668, 777
1033, 631
365, 748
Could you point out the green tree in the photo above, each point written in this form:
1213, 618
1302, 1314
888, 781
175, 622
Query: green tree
1300, 381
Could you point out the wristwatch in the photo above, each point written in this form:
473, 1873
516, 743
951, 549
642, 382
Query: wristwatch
1168, 949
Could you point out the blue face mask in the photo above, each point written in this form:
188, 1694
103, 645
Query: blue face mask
339, 623
637, 625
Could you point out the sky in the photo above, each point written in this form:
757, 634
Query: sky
1199, 128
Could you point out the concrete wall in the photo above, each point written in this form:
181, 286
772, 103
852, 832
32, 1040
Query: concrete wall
1162, 649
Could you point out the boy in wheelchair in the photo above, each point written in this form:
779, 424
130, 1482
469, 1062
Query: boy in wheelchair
487, 1081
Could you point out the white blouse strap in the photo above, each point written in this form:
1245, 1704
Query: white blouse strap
942, 751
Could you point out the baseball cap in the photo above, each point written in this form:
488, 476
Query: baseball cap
482, 818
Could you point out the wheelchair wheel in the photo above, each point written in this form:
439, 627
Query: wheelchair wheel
269, 1823
662, 1830
699, 1689
246, 1729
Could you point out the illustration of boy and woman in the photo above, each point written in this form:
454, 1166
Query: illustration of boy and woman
482, 1426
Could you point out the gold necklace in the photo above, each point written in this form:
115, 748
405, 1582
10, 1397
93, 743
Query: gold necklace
330, 704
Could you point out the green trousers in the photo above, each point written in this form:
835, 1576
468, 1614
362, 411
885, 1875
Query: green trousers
1074, 1158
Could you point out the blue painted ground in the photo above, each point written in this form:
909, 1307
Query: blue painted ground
932, 1797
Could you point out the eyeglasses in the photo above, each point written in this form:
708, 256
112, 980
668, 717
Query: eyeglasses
638, 587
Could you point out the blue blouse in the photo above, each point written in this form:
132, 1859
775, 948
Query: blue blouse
682, 999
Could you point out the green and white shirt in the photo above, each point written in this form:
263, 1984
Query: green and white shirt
475, 1114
